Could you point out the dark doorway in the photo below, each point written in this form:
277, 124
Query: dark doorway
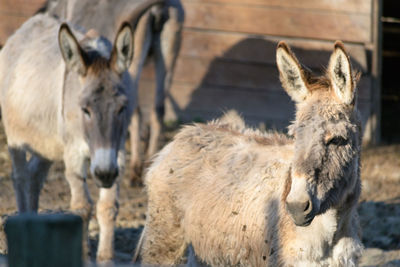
390, 71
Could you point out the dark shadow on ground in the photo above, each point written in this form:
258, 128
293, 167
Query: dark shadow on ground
380, 223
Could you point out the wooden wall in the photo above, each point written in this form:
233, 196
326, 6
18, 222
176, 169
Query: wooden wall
13, 13
227, 58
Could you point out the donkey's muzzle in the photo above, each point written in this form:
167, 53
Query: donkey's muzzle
301, 212
105, 178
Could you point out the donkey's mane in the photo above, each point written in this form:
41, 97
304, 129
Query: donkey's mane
323, 82
318, 82
263, 138
97, 63
97, 51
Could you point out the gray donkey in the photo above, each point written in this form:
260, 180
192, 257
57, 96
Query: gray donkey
245, 198
70, 100
158, 34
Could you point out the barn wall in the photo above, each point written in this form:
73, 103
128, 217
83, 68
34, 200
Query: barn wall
227, 58
13, 13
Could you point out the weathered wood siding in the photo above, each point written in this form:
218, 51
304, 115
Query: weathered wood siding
227, 58
13, 13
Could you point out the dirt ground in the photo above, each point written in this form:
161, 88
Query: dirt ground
379, 205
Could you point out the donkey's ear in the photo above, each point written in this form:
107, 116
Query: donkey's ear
291, 74
340, 74
71, 51
122, 54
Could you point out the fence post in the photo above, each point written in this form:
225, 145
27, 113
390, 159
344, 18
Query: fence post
44, 240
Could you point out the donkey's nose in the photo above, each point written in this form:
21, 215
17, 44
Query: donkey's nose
301, 212
300, 207
106, 177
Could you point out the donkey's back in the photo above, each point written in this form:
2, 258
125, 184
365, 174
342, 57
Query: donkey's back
103, 16
215, 171
31, 82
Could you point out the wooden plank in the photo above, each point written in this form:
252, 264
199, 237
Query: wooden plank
279, 22
355, 6
8, 25
189, 102
15, 12
220, 72
251, 120
261, 49
20, 7
248, 102
275, 110
189, 115
245, 76
209, 103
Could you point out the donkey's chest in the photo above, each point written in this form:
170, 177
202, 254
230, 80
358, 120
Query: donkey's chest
309, 244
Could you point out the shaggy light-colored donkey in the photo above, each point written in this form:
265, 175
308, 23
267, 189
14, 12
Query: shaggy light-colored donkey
68, 100
244, 198
158, 34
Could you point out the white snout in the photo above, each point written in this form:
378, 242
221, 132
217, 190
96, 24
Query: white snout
104, 159
298, 190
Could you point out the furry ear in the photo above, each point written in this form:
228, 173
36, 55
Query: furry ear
340, 74
71, 51
291, 74
122, 53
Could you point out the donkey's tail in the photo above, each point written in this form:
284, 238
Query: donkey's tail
139, 246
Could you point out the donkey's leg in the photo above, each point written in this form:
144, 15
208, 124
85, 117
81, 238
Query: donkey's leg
20, 177
106, 213
28, 178
38, 169
156, 127
136, 152
81, 203
163, 237
166, 49
142, 46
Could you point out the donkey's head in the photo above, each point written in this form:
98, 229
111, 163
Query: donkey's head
324, 170
104, 98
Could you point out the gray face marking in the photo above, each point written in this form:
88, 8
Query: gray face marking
324, 170
106, 115
326, 149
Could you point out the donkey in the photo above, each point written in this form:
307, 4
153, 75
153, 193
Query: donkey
245, 198
158, 34
68, 100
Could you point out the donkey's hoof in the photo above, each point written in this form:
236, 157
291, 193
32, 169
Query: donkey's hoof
104, 258
104, 263
135, 176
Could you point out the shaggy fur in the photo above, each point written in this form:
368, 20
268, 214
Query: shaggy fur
226, 189
70, 100
158, 33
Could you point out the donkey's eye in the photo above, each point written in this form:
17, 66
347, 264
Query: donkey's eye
86, 112
337, 141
